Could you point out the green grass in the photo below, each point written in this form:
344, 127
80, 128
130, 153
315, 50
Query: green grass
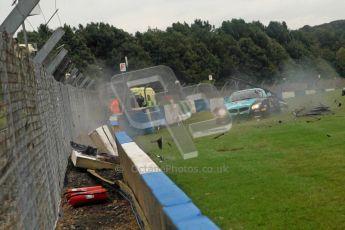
288, 175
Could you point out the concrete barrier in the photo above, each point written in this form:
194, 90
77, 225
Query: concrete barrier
288, 94
297, 93
104, 141
310, 92
164, 204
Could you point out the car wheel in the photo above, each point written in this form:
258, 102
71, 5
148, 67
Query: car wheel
268, 111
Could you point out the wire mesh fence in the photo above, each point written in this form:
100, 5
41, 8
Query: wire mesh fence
38, 118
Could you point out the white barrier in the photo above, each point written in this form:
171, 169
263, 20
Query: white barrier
286, 95
310, 92
104, 141
164, 204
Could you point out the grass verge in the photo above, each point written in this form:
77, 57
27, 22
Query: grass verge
277, 173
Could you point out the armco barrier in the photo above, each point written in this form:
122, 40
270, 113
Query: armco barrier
292, 94
165, 205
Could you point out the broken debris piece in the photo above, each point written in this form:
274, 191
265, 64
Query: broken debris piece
88, 150
316, 111
159, 142
108, 158
81, 160
218, 136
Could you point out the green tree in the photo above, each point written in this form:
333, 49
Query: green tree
78, 50
263, 53
38, 37
340, 56
278, 31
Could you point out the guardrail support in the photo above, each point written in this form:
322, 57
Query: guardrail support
17, 16
56, 61
49, 46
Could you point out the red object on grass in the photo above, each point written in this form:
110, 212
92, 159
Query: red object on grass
89, 197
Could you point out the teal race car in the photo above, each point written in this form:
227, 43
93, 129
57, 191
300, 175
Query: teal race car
252, 103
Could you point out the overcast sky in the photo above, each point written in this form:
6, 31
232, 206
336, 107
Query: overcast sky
138, 15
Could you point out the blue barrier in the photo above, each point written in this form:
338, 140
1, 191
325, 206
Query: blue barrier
182, 212
164, 204
201, 105
200, 223
123, 138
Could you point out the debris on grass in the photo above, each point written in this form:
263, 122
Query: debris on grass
161, 159
218, 136
338, 103
225, 149
159, 142
316, 119
299, 110
316, 111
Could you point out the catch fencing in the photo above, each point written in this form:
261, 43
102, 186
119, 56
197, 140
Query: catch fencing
38, 118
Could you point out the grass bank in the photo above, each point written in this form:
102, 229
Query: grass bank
277, 173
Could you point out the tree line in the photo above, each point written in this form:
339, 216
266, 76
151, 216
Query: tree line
250, 50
